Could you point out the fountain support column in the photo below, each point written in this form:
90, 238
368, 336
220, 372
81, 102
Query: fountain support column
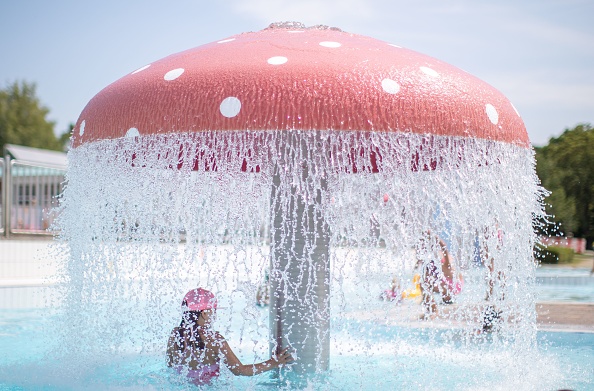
300, 273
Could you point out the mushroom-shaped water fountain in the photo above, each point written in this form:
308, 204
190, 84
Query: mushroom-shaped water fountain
301, 143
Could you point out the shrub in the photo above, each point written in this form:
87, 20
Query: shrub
556, 255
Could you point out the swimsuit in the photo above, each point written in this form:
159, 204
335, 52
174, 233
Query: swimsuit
454, 289
201, 376
431, 271
204, 373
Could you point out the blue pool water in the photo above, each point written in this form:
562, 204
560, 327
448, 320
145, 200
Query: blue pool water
565, 284
365, 354
401, 358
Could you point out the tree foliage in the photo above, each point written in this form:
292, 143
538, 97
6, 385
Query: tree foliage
566, 168
23, 119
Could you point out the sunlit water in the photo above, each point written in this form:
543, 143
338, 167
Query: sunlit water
145, 219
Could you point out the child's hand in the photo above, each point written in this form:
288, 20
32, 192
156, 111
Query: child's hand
283, 357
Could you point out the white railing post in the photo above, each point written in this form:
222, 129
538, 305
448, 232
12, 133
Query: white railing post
6, 189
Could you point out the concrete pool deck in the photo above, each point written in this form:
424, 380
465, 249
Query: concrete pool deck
558, 316
567, 316
551, 316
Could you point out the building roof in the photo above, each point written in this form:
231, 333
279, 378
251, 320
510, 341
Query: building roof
36, 155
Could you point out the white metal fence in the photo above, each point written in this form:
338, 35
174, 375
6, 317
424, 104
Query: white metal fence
29, 196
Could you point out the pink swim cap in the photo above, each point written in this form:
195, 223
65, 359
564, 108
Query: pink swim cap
199, 300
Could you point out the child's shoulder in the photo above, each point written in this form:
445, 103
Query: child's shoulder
214, 336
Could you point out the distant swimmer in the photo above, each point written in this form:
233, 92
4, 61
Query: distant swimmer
394, 293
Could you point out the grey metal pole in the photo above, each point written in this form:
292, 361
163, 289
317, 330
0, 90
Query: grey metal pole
300, 272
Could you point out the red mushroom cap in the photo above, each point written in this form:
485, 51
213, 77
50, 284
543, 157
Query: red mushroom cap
301, 79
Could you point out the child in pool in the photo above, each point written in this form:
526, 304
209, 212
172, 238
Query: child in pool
196, 349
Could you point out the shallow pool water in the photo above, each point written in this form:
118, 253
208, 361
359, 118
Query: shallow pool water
366, 353
556, 271
564, 284
399, 358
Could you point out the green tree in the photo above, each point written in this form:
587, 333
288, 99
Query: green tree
566, 168
23, 118
558, 204
64, 138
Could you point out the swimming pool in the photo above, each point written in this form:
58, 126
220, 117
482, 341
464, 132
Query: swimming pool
400, 358
564, 284
365, 354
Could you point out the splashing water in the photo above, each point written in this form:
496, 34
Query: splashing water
208, 168
147, 218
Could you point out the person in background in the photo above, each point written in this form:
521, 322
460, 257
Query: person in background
196, 349
439, 275
394, 293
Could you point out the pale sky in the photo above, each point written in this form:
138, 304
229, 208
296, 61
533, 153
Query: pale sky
540, 53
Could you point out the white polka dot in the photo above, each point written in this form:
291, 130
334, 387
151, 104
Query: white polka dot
132, 132
173, 74
81, 130
330, 44
278, 60
230, 107
396, 46
429, 72
226, 40
141, 69
390, 86
492, 113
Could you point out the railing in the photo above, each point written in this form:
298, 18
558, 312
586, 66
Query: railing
29, 196
2, 197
